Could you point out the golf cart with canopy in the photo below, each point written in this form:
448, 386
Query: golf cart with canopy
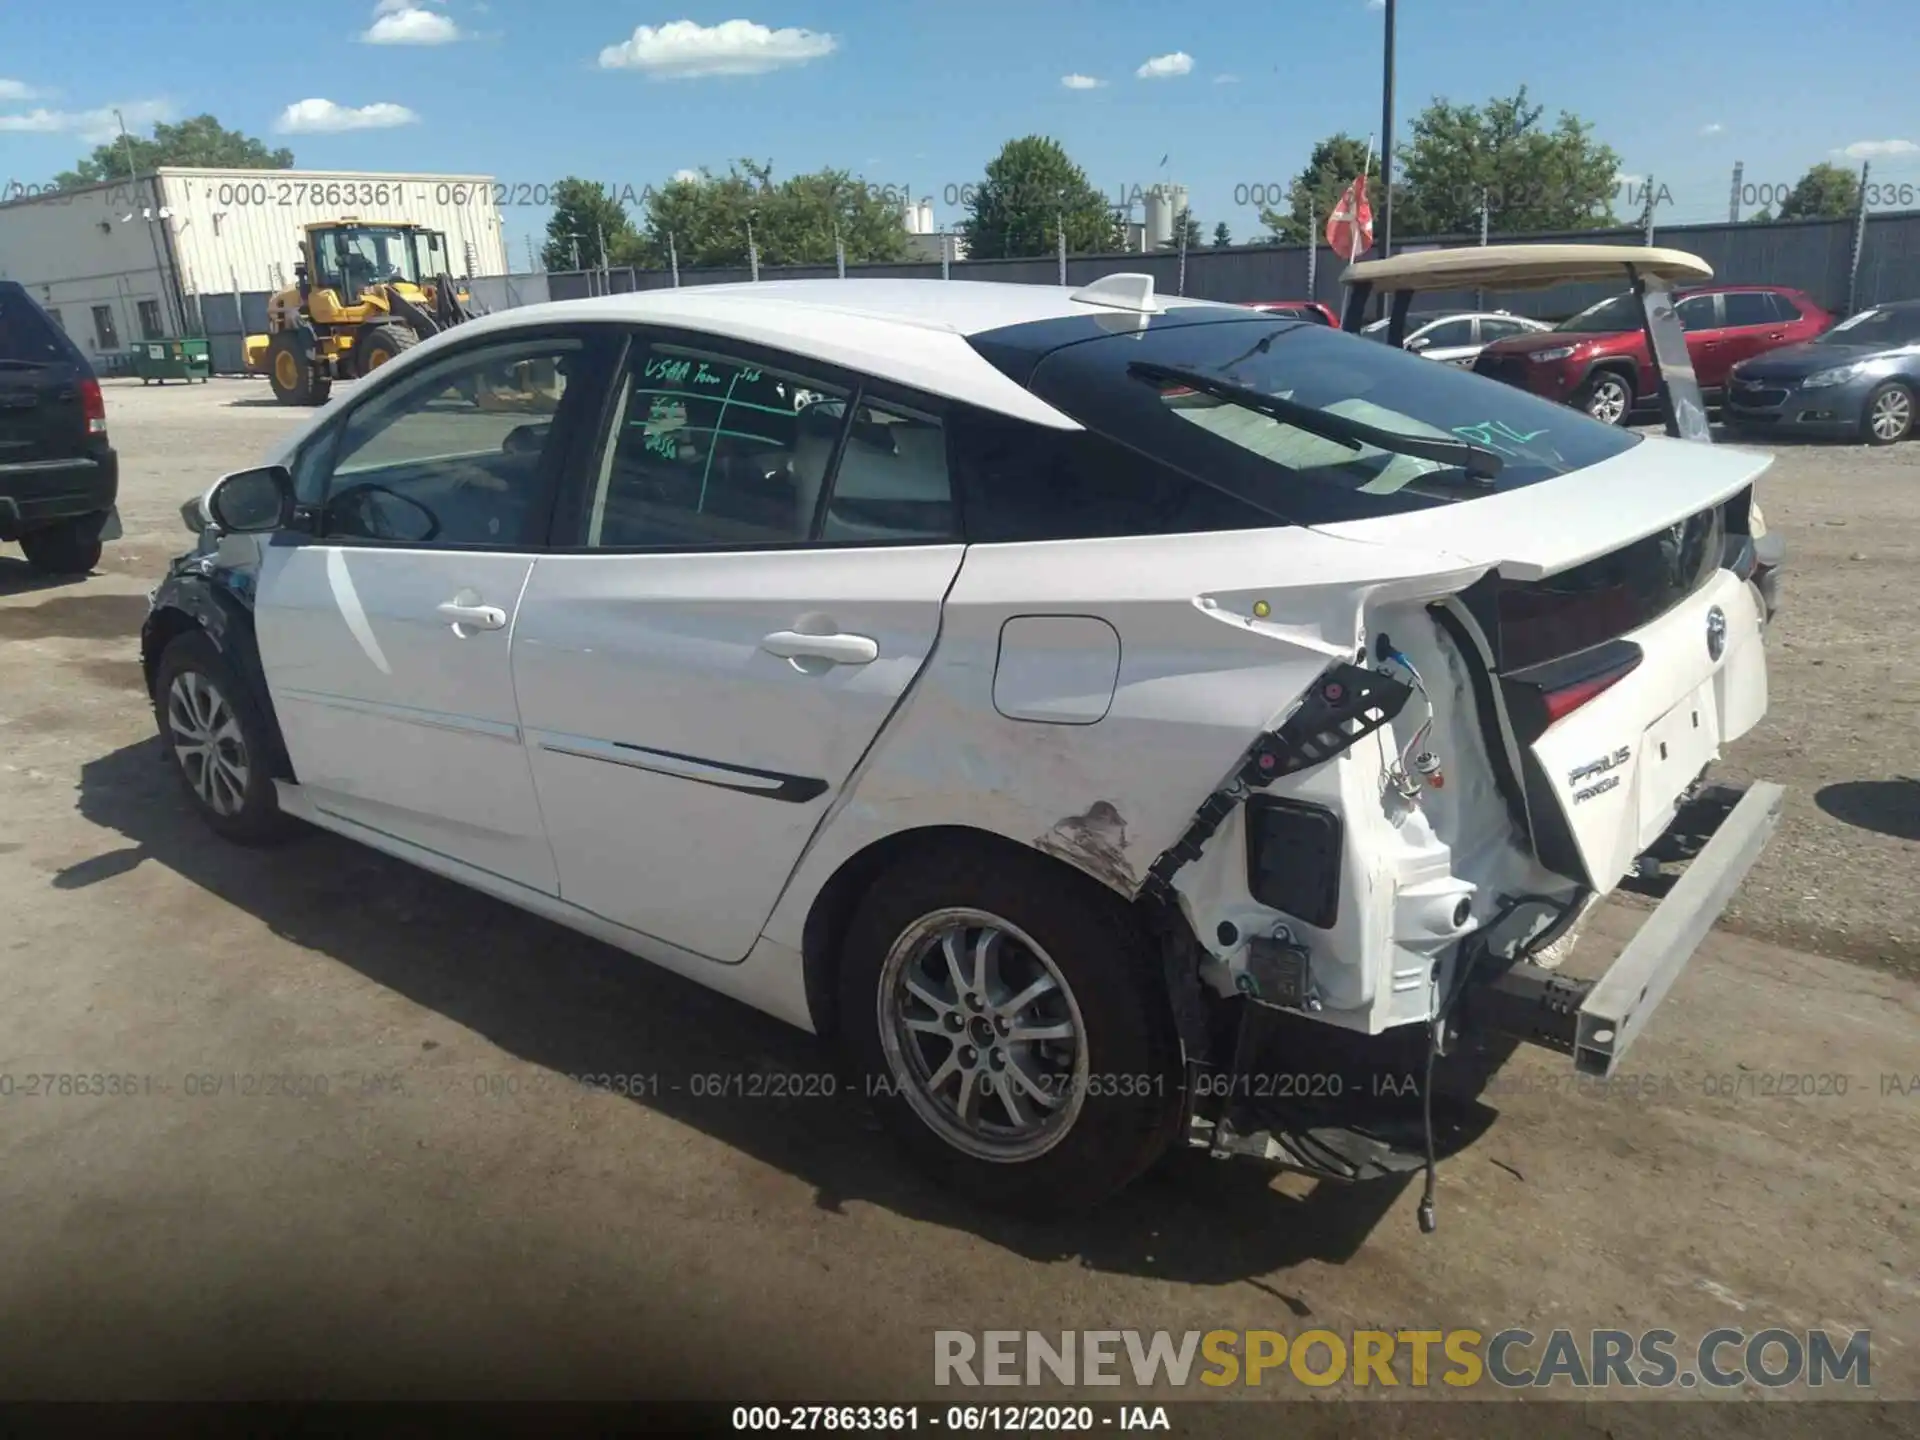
1648, 273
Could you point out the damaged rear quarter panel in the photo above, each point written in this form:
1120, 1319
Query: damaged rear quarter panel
1199, 678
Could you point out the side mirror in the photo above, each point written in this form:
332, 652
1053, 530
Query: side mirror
1418, 342
252, 501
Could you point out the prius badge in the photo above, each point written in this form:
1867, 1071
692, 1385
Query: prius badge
1716, 632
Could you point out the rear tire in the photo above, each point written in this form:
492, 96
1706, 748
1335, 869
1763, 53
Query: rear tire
1099, 1087
1888, 416
221, 745
1607, 397
71, 547
378, 344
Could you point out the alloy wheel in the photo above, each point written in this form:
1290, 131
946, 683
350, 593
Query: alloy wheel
208, 742
1892, 415
982, 1035
1608, 403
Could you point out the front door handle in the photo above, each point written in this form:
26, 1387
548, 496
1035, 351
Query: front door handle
834, 649
472, 617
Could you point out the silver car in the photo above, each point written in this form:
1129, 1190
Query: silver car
1455, 339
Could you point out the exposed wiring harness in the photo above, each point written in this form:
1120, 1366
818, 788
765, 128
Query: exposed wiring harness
1414, 766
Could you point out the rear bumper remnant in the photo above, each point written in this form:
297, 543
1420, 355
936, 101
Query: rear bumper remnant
1596, 1021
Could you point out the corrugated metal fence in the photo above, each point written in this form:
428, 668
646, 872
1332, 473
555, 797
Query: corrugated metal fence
1811, 255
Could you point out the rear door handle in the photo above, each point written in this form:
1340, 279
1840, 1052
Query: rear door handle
835, 649
473, 617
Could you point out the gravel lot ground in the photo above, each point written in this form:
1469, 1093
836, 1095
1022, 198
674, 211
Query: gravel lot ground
452, 1218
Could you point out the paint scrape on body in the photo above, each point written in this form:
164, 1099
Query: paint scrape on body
1096, 842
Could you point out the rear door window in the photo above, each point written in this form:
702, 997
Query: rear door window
712, 449
1750, 307
1783, 307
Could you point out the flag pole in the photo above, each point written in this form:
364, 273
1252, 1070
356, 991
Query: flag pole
1353, 232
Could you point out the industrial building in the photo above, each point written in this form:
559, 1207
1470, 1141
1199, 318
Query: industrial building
128, 260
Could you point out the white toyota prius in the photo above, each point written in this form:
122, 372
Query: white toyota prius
1115, 721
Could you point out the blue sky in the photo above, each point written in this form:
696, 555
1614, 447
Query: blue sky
919, 96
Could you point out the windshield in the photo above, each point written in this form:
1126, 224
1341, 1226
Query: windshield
1609, 317
1109, 386
360, 255
1885, 325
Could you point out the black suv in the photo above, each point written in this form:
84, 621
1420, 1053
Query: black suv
58, 476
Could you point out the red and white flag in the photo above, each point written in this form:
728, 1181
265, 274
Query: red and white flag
1350, 226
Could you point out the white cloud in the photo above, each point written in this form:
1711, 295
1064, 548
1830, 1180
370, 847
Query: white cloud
1161, 67
684, 50
399, 22
1226, 79
1081, 82
323, 117
1376, 4
19, 90
1714, 128
93, 126
1878, 149
687, 177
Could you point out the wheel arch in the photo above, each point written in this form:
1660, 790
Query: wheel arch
186, 604
832, 908
1621, 365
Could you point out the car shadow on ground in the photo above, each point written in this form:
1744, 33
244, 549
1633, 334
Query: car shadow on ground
1889, 807
19, 578
575, 1006
80, 615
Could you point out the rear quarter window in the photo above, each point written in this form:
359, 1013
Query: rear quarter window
1028, 482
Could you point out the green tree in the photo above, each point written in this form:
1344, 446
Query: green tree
1032, 192
1826, 192
582, 212
1184, 223
1222, 237
794, 220
1312, 194
1532, 178
200, 141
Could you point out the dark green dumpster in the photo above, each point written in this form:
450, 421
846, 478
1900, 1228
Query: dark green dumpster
165, 360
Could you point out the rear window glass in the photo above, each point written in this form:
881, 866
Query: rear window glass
1290, 471
26, 334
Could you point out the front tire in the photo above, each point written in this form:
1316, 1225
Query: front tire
1888, 416
293, 369
71, 547
1007, 1017
219, 741
1608, 397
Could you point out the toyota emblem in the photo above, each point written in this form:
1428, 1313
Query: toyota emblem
1716, 632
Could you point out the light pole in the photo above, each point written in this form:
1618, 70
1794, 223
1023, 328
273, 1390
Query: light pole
1386, 143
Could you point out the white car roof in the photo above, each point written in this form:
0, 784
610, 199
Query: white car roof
911, 331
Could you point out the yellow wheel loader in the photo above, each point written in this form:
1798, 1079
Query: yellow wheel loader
363, 291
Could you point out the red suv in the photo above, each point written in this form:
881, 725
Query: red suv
1598, 360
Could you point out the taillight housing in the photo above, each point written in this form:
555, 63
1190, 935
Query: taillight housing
94, 406
1542, 696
